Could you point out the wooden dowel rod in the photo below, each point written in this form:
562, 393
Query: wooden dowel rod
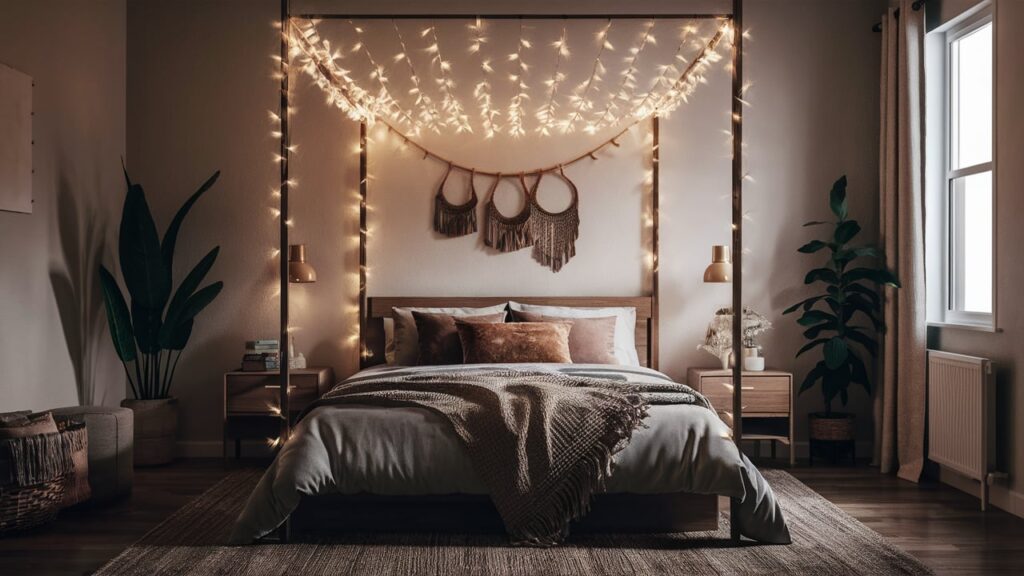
666, 16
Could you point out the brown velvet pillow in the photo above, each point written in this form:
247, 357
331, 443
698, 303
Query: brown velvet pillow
591, 340
439, 340
515, 343
32, 425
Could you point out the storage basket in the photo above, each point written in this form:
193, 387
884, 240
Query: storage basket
34, 473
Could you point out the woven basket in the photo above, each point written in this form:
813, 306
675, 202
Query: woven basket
34, 489
26, 507
840, 427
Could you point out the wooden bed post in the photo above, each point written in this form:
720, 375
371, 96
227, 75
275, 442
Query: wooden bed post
737, 244
283, 253
362, 245
652, 334
283, 225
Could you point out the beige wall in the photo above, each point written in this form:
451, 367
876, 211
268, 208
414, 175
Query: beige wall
1002, 347
198, 95
53, 336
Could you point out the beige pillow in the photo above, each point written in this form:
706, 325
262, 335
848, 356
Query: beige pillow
33, 425
591, 340
625, 327
439, 339
519, 342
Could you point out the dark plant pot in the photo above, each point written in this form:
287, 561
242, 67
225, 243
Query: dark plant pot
836, 427
156, 430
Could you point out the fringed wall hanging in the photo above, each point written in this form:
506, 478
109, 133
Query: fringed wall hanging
454, 220
554, 233
507, 233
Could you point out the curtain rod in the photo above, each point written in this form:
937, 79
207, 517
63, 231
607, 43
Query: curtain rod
916, 6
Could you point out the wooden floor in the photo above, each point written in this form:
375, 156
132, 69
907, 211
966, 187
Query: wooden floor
941, 526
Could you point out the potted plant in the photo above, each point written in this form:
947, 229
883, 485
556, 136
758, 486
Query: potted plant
848, 293
151, 329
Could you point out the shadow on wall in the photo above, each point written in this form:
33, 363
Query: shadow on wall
76, 289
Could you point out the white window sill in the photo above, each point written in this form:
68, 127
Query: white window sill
971, 327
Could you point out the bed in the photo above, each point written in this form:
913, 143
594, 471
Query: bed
360, 468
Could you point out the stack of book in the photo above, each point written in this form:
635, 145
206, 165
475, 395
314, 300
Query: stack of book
261, 355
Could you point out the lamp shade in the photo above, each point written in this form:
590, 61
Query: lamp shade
720, 269
299, 271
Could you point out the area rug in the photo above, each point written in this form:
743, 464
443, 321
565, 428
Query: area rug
826, 541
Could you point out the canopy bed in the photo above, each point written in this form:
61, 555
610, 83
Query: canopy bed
302, 472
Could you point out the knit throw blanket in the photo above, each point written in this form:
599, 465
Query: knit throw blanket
542, 442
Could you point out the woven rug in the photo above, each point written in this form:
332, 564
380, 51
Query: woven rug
826, 541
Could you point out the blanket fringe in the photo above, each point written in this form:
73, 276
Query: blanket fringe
42, 458
548, 523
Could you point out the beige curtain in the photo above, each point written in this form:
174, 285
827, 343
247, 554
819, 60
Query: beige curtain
900, 400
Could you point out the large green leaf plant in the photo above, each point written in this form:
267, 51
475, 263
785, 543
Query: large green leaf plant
846, 313
152, 328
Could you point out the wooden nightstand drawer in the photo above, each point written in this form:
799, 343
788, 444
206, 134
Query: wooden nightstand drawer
761, 394
260, 392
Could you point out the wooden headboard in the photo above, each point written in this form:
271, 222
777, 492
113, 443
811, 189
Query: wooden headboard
379, 308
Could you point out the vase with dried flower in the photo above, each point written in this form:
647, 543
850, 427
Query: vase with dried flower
718, 338
754, 324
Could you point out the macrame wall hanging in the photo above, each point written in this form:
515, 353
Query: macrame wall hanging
554, 233
551, 234
455, 220
507, 233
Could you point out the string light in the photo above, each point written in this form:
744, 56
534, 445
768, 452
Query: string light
482, 90
428, 113
546, 114
518, 78
627, 88
377, 72
579, 97
588, 103
457, 117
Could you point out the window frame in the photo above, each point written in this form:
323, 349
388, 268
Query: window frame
952, 290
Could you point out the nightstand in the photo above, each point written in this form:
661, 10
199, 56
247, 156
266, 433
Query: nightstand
251, 400
767, 403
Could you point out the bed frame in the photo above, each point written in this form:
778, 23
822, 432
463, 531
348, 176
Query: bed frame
638, 513
372, 314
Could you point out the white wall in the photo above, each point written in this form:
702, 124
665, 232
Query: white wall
199, 91
54, 347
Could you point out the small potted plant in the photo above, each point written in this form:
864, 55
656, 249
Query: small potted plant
151, 329
834, 318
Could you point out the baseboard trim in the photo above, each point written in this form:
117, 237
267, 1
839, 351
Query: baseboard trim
1000, 495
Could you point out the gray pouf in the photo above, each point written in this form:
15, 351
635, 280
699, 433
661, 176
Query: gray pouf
110, 448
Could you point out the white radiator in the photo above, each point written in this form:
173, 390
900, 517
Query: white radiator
961, 416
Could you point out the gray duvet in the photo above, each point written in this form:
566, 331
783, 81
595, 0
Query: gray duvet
350, 449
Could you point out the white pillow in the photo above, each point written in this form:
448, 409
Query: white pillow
402, 340
625, 325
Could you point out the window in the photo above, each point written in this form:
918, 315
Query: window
969, 185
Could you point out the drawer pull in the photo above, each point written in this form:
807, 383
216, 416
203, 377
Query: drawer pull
278, 387
731, 387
